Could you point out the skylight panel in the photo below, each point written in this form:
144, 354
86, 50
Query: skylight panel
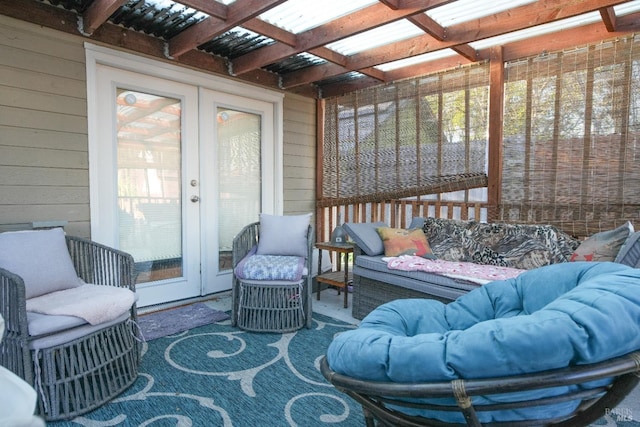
418, 59
563, 24
627, 8
467, 10
389, 33
297, 16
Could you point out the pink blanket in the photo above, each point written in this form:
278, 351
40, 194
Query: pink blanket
469, 271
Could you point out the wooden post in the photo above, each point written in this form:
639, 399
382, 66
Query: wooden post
496, 115
320, 220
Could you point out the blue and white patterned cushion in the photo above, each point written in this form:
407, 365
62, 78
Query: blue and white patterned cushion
271, 267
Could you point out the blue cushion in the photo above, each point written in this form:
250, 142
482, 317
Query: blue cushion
546, 318
366, 236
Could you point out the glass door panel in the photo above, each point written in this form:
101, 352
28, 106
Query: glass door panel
148, 183
239, 171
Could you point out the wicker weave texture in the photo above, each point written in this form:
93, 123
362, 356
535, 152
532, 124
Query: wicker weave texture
78, 376
15, 339
370, 293
271, 308
82, 375
267, 307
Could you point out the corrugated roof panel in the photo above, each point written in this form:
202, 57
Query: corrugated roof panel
563, 24
467, 10
620, 10
426, 57
296, 62
297, 16
389, 33
236, 42
162, 18
75, 5
342, 78
537, 30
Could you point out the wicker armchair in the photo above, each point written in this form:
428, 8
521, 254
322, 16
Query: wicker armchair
89, 364
269, 307
382, 402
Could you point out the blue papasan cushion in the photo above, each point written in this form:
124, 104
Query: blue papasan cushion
551, 317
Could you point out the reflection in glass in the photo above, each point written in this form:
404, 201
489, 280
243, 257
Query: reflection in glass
149, 177
239, 197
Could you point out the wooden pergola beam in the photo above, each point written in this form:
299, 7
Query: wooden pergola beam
98, 13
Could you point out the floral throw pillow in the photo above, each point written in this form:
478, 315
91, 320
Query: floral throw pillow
603, 246
398, 241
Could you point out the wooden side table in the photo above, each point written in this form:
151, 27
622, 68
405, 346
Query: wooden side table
339, 279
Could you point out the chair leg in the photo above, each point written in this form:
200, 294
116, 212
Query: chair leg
234, 301
369, 421
308, 300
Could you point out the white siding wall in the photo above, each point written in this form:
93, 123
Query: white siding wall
43, 132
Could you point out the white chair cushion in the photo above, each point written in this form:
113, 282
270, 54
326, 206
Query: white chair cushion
41, 258
94, 303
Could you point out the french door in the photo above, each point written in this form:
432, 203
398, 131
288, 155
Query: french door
180, 170
235, 153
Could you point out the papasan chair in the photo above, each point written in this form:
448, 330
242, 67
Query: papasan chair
555, 346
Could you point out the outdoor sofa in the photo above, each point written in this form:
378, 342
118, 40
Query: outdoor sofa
469, 246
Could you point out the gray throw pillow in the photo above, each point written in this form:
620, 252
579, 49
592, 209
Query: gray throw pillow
603, 246
283, 235
41, 258
366, 236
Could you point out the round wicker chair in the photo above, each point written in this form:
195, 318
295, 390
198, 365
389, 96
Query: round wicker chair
558, 345
383, 402
77, 367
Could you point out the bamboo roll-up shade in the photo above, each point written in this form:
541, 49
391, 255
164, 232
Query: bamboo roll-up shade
410, 138
572, 136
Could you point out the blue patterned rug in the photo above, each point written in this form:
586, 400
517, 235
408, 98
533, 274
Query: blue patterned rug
218, 375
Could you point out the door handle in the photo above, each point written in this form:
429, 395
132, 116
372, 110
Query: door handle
195, 199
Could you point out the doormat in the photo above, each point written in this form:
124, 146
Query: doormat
169, 322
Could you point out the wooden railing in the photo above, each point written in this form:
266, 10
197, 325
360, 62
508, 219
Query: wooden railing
575, 220
396, 213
